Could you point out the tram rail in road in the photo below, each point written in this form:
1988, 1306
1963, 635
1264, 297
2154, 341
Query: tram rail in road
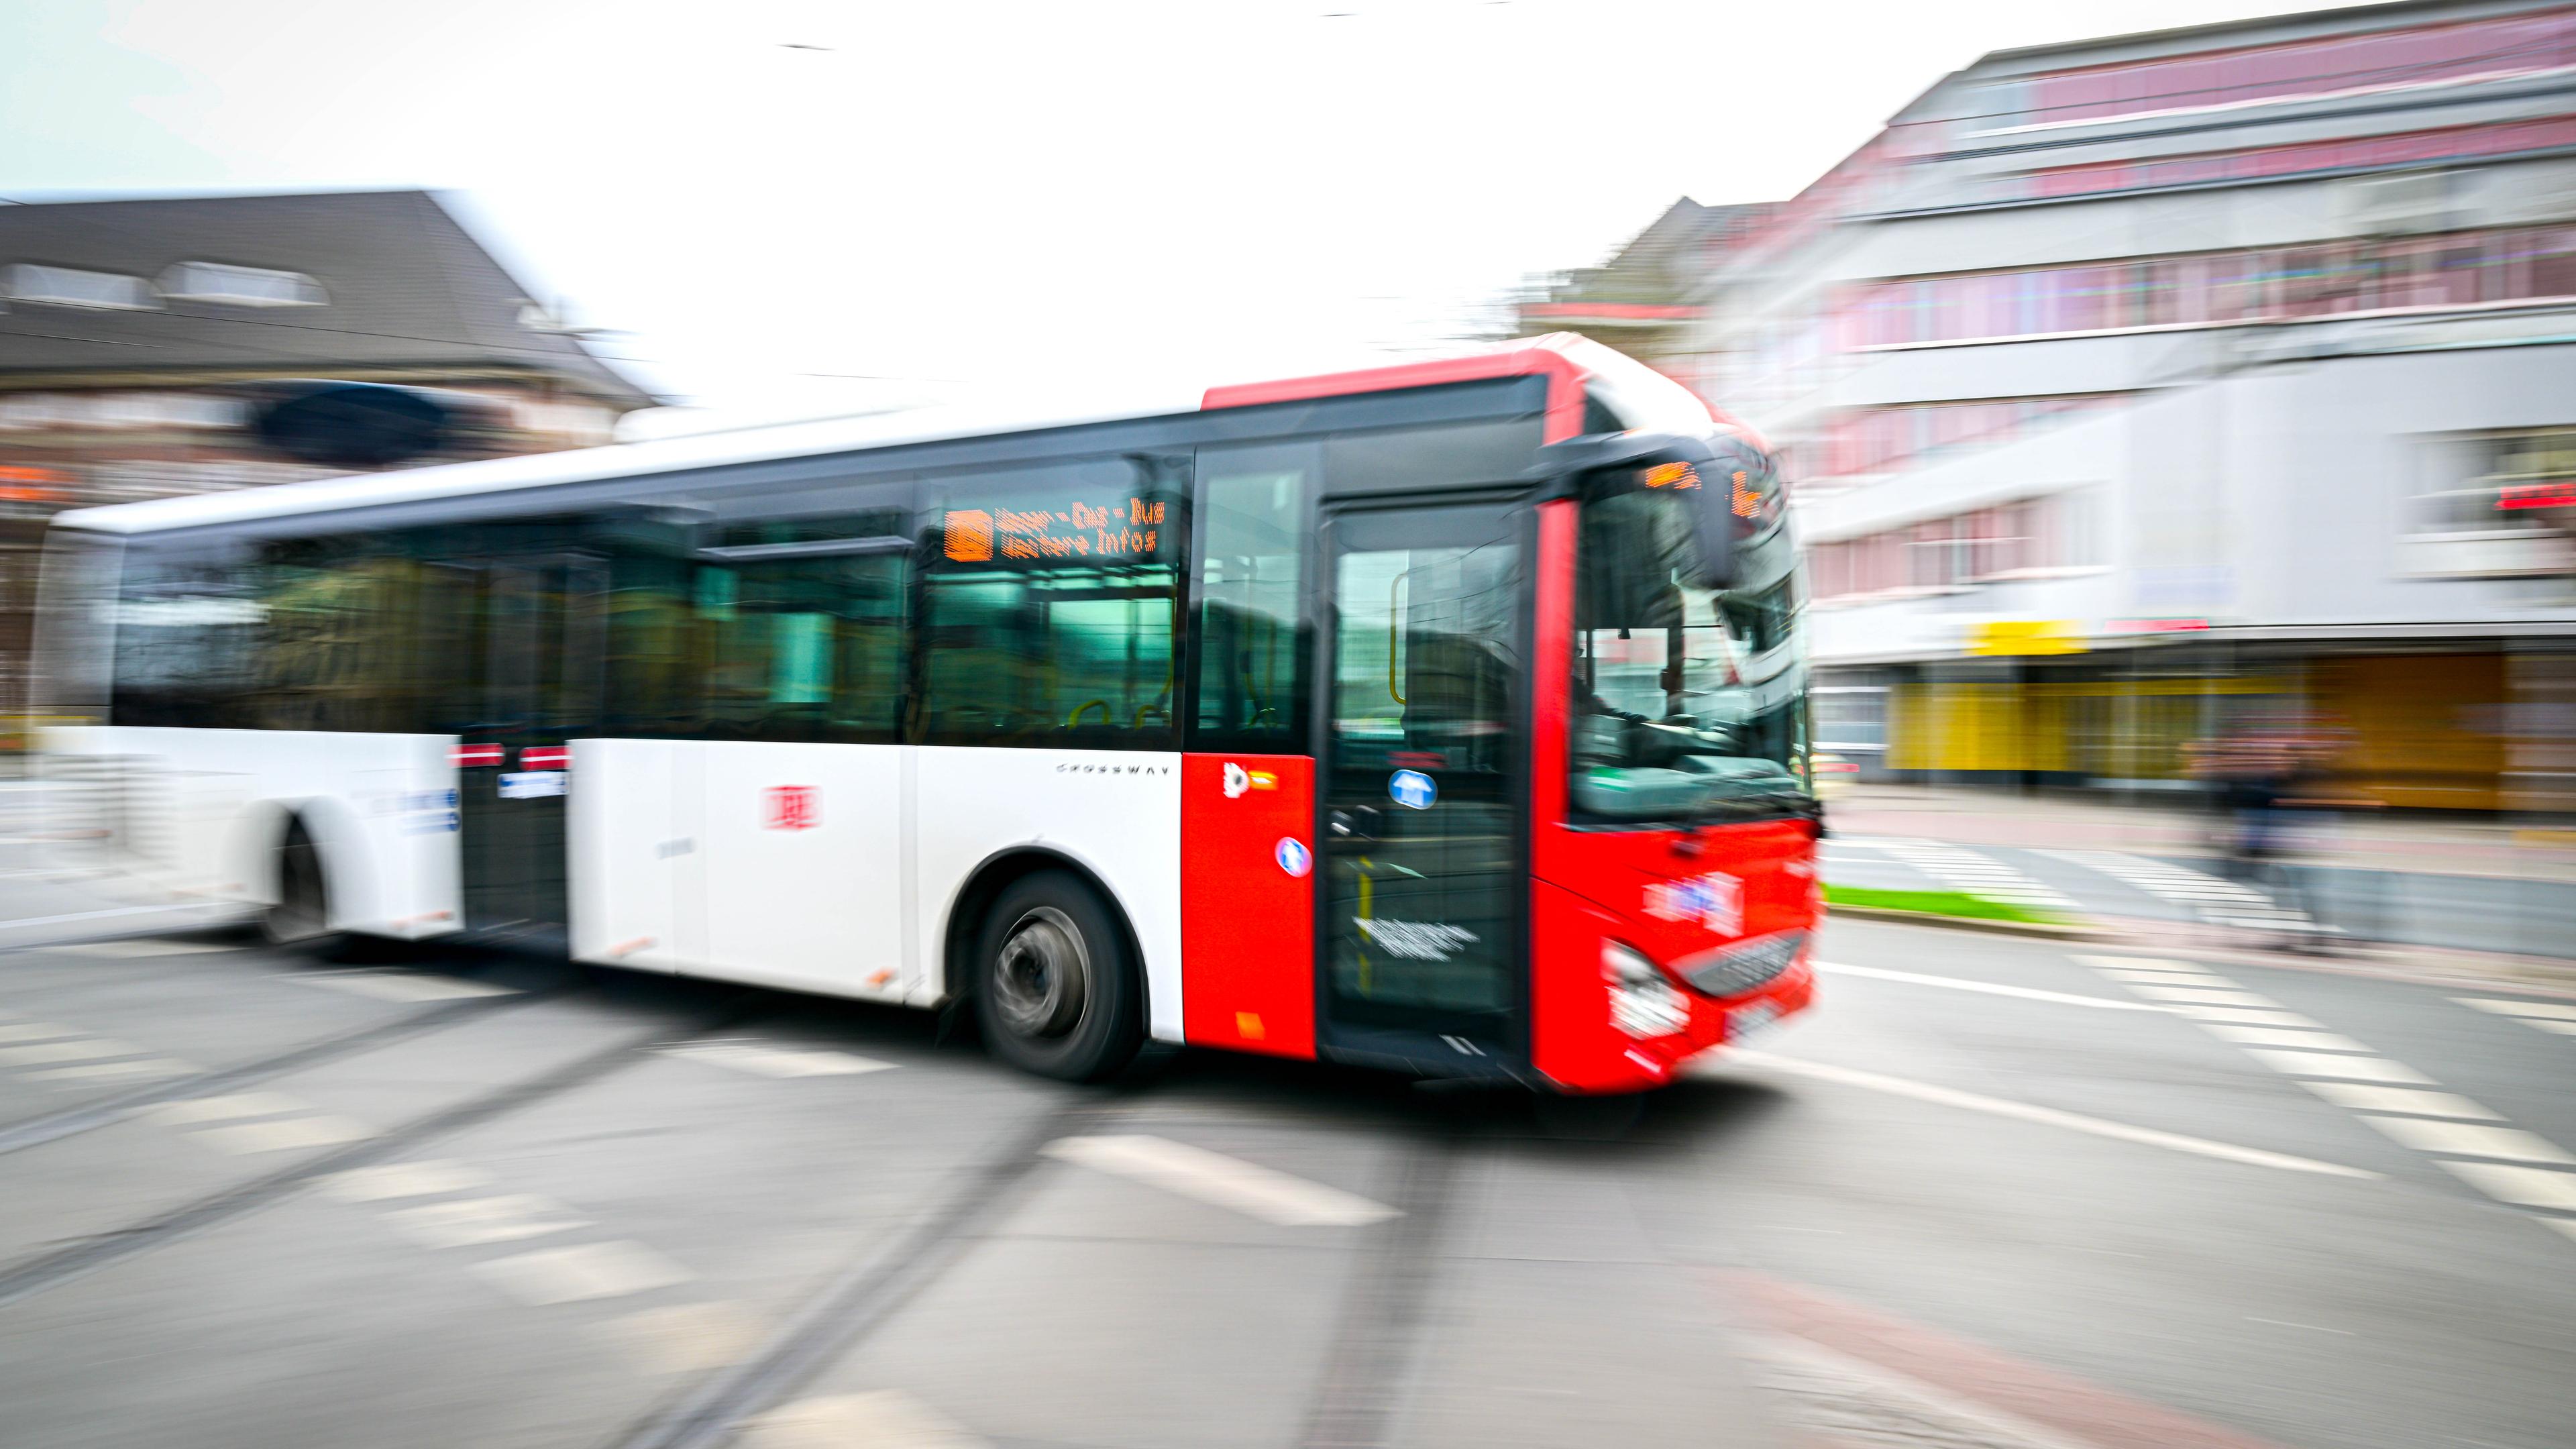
71, 1121
44, 1271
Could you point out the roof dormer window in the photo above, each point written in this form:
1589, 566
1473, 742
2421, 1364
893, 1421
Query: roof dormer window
241, 286
73, 287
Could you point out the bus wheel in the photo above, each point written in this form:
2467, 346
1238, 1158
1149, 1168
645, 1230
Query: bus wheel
1054, 987
302, 914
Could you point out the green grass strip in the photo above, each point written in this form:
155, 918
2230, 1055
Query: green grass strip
1935, 903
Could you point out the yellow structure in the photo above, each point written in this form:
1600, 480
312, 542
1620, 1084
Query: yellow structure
2417, 731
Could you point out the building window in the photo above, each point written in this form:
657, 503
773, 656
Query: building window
2322, 66
2533, 264
2031, 537
2508, 483
73, 287
241, 286
2498, 506
1884, 440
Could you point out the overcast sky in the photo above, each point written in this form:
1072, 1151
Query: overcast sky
791, 208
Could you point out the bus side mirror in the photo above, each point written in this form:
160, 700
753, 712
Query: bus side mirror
1730, 485
1713, 530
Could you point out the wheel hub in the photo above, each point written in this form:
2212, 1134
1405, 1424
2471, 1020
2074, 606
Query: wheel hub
1042, 980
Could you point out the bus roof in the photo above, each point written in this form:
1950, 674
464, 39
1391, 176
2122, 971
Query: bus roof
1567, 360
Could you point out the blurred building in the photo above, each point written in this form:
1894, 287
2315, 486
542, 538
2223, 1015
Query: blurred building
1643, 299
160, 346
2144, 388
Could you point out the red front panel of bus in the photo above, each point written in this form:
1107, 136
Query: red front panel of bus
1596, 887
1248, 902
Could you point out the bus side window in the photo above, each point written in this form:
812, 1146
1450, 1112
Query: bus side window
654, 670
1255, 515
1050, 605
188, 624
803, 648
764, 614
349, 635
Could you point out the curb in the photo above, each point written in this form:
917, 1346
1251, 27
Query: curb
2066, 932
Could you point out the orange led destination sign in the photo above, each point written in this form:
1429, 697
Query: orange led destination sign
1128, 528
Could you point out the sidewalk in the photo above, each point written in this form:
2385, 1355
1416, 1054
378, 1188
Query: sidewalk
2498, 898
2381, 841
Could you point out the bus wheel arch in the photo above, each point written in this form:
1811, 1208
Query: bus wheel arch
1060, 908
297, 891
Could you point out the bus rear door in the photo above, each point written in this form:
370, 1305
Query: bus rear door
533, 675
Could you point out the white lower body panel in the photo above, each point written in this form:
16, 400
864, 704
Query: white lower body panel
775, 863
837, 867
1115, 815
201, 812
830, 868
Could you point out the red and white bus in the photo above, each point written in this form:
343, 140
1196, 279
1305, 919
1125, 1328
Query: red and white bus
1450, 717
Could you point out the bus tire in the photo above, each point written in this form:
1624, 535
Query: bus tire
1055, 986
301, 915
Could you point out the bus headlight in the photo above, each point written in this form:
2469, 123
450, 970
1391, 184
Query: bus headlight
1642, 1002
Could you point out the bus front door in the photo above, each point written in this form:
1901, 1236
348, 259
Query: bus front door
1422, 852
533, 680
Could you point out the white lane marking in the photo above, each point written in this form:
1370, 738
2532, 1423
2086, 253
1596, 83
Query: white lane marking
92, 1071
67, 1051
405, 1179
2349, 1060
2310, 1327
2049, 1116
2245, 1016
1976, 873
2135, 963
469, 1221
396, 985
769, 1061
2552, 1010
2317, 1041
98, 915
2564, 1225
889, 1419
2471, 1139
2549, 1016
2206, 896
2525, 1186
686, 1338
1228, 1182
2164, 978
590, 1270
2400, 1099
226, 1108
2330, 1064
2202, 996
37, 1031
1956, 983
1825, 1386
146, 947
284, 1134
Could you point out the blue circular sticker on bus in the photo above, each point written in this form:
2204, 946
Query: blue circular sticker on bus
1293, 856
1411, 789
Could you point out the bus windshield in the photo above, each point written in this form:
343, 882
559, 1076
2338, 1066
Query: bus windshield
1689, 703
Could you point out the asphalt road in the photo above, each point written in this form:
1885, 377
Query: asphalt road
256, 1200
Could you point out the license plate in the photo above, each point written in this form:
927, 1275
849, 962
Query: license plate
1746, 1021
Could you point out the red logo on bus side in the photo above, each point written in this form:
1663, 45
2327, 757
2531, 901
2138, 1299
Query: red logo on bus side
792, 807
